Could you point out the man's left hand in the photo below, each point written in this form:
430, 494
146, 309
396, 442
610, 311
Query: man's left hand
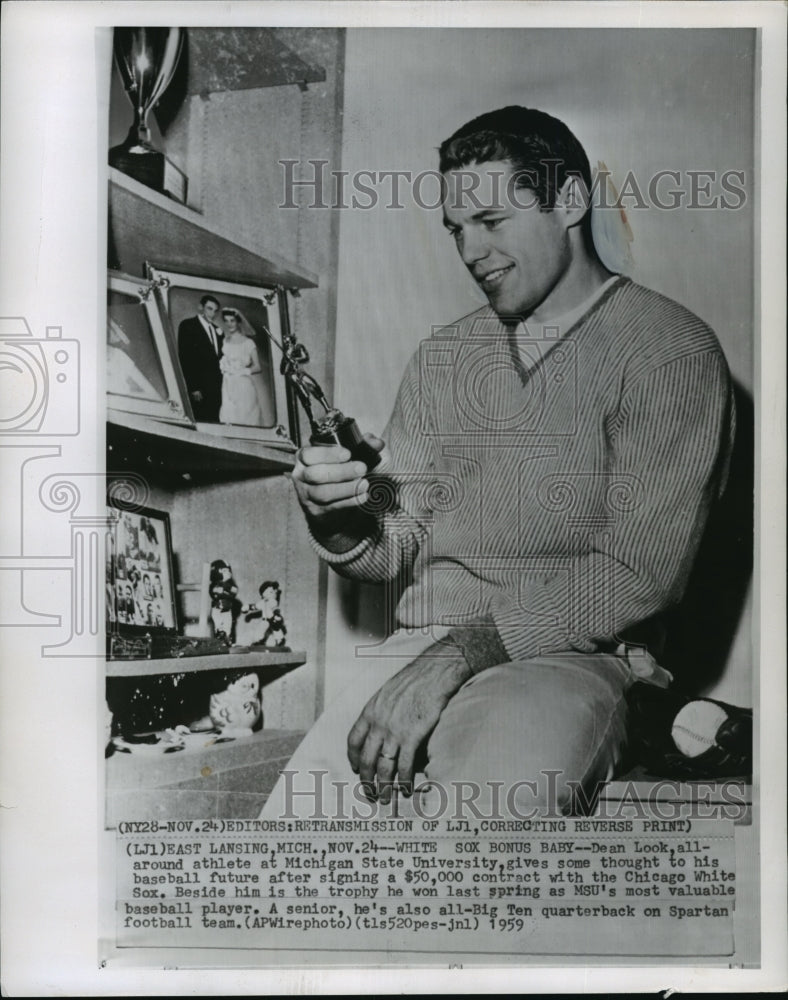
401, 715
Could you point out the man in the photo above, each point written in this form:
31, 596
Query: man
130, 607
120, 602
199, 351
548, 470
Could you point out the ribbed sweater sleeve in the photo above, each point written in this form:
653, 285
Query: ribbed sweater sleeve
668, 442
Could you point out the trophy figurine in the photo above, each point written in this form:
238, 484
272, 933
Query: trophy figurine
333, 427
146, 59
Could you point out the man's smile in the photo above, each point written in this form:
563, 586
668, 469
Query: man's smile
493, 278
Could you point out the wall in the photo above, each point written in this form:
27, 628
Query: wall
230, 144
639, 100
235, 141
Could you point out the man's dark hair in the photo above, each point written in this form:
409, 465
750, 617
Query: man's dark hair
541, 149
209, 298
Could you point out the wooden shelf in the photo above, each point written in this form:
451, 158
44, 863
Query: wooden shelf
224, 780
181, 239
191, 664
222, 59
183, 456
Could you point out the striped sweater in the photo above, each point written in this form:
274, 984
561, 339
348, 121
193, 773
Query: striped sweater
556, 486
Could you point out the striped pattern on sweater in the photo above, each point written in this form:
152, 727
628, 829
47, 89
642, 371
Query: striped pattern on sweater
564, 499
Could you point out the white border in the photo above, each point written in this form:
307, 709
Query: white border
52, 221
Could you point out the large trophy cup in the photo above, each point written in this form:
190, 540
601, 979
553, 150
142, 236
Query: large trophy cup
146, 59
333, 427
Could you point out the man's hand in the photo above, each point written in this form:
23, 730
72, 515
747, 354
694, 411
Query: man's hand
196, 396
399, 718
330, 486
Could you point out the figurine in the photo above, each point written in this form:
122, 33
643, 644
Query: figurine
333, 427
268, 609
305, 386
225, 606
222, 572
236, 710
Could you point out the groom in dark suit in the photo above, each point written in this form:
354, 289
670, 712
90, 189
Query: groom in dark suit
199, 351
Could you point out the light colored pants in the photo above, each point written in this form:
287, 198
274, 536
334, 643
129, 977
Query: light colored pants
535, 734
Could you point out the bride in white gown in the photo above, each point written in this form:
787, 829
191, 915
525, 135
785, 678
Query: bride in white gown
239, 362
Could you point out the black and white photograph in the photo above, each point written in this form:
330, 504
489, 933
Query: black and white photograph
436, 434
539, 542
142, 374
227, 337
140, 571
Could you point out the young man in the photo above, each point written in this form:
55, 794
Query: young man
549, 467
199, 351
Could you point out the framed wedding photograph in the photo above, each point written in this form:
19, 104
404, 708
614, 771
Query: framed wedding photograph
226, 335
140, 586
143, 375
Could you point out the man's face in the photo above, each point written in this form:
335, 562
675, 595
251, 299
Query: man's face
517, 253
209, 311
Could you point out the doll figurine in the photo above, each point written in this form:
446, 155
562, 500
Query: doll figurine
222, 573
275, 629
236, 710
225, 606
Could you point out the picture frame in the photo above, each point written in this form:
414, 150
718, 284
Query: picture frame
143, 376
261, 308
140, 585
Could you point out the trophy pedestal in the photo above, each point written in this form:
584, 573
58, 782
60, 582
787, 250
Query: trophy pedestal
345, 432
151, 168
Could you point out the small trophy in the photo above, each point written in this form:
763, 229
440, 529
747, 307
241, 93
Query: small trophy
146, 59
333, 427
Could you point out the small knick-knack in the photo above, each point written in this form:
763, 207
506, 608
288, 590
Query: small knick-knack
267, 608
225, 606
235, 711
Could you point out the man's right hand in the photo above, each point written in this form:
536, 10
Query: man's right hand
196, 396
328, 481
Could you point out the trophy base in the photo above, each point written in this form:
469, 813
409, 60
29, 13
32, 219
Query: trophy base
151, 168
345, 432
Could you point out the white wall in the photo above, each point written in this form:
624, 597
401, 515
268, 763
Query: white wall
643, 101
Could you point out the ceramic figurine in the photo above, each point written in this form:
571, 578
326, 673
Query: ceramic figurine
235, 711
225, 606
267, 608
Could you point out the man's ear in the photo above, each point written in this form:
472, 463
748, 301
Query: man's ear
573, 200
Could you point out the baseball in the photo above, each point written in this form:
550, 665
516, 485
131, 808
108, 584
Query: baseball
695, 727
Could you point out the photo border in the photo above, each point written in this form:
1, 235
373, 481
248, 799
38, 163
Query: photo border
281, 433
162, 518
176, 409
